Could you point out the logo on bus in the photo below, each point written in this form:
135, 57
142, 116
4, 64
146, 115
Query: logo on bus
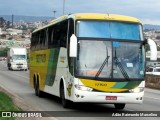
40, 58
100, 84
62, 59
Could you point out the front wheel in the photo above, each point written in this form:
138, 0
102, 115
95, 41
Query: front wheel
65, 103
119, 105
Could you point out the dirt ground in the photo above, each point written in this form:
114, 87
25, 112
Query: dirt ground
152, 81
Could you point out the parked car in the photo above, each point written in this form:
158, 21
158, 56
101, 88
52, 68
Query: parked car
153, 71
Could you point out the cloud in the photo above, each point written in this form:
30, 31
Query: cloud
142, 9
151, 21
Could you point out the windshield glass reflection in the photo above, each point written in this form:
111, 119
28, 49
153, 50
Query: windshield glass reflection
128, 60
92, 55
109, 29
95, 59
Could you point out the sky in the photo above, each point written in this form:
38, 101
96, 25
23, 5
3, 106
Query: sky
148, 11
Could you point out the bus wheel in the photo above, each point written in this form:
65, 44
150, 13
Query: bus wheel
119, 106
38, 92
35, 88
65, 103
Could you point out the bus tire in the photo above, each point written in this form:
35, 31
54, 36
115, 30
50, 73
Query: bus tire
65, 103
9, 66
35, 88
119, 105
38, 92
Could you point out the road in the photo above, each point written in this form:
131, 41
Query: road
18, 83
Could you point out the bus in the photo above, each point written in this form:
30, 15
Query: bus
90, 58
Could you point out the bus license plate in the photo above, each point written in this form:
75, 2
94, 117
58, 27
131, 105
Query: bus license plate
111, 97
19, 66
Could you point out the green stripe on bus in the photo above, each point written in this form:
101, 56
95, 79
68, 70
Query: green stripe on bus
120, 85
132, 84
52, 66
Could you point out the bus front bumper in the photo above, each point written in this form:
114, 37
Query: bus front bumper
102, 97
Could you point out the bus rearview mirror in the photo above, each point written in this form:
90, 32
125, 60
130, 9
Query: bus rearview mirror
73, 46
153, 49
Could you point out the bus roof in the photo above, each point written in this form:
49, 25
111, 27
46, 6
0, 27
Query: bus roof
105, 17
92, 16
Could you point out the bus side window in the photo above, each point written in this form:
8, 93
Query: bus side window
71, 28
42, 39
37, 41
61, 34
50, 36
57, 35
64, 31
33, 42
46, 39
70, 32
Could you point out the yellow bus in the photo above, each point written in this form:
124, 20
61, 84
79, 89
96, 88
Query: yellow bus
91, 58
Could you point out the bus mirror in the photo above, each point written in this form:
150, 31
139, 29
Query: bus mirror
153, 49
73, 46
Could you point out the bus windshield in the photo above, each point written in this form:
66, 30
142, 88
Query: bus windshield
109, 29
108, 59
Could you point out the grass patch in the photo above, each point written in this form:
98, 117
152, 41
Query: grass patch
6, 104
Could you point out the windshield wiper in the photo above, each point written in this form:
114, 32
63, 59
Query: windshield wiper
123, 71
78, 50
102, 66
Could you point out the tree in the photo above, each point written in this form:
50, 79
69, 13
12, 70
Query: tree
3, 36
3, 52
8, 24
2, 22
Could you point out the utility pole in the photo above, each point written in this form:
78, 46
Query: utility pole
54, 13
63, 6
12, 20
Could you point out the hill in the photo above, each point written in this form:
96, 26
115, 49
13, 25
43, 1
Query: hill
151, 27
43, 18
25, 18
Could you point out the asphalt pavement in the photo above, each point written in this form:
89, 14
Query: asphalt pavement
17, 82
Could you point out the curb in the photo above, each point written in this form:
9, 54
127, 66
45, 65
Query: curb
20, 103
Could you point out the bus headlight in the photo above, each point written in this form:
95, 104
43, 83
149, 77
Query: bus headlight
83, 88
137, 90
